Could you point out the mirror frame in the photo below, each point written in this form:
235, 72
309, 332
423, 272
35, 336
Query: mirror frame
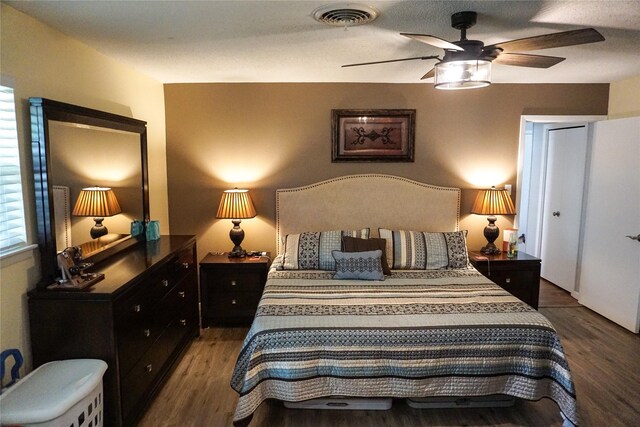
42, 111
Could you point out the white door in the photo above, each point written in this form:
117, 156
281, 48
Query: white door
562, 210
610, 271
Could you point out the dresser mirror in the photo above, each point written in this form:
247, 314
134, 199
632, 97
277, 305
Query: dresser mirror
75, 148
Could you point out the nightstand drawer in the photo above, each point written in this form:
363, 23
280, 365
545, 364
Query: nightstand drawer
237, 281
512, 280
520, 275
230, 288
235, 304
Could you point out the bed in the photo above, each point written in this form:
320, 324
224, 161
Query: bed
420, 332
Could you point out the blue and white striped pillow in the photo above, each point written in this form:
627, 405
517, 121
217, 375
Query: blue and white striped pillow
312, 250
419, 250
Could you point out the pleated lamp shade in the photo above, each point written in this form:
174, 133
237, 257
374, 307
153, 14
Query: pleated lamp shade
96, 202
236, 204
493, 202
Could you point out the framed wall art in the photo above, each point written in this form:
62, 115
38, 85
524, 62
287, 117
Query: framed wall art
373, 135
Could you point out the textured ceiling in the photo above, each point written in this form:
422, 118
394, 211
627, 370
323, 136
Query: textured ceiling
279, 41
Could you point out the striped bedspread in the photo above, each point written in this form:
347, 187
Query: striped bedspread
416, 334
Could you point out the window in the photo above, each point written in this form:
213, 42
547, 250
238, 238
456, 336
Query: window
12, 224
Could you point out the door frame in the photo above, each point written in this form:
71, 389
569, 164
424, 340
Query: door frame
550, 120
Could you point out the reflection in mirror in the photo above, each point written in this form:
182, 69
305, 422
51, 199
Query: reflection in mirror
72, 148
86, 156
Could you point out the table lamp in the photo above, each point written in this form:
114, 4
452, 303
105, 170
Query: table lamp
97, 202
236, 205
492, 202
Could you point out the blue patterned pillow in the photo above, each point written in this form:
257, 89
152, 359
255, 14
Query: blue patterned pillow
312, 250
418, 250
358, 265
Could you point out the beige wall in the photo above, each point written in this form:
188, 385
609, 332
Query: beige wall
269, 136
39, 61
624, 98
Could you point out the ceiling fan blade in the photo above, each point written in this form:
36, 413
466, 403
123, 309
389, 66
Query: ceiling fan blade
548, 41
431, 73
389, 60
526, 60
433, 41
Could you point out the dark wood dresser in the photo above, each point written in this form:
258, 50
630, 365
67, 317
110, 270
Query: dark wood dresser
231, 288
519, 275
140, 319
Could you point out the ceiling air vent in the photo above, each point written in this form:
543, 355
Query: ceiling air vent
345, 15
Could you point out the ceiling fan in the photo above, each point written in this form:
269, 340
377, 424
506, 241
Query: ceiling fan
467, 63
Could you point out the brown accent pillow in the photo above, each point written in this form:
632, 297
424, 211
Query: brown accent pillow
354, 244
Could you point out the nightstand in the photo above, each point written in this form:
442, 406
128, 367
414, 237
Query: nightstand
519, 275
230, 288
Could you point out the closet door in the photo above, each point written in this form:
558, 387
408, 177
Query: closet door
562, 211
610, 272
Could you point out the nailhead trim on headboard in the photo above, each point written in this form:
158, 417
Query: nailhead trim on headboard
356, 177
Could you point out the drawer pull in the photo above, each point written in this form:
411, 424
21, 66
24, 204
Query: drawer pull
233, 283
148, 368
165, 283
181, 294
183, 322
185, 265
147, 333
137, 308
233, 302
508, 280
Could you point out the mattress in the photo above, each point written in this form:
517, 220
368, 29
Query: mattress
415, 334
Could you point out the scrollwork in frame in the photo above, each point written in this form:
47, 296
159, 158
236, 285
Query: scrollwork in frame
373, 135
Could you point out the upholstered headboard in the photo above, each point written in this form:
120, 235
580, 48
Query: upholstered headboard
367, 200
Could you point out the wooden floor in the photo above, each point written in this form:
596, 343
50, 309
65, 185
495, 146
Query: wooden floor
553, 296
604, 360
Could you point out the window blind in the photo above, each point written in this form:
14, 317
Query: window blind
12, 224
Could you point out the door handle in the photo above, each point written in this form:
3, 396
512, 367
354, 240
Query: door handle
556, 213
636, 238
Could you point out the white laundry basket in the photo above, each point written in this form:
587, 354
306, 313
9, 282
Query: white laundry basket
65, 393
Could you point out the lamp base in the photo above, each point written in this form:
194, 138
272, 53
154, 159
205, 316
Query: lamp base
491, 233
241, 253
98, 230
490, 249
237, 236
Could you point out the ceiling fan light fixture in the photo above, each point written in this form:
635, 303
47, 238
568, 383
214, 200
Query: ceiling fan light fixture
467, 74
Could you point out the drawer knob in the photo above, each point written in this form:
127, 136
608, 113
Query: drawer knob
508, 280
185, 265
147, 333
181, 294
183, 322
148, 368
233, 302
233, 283
165, 283
137, 308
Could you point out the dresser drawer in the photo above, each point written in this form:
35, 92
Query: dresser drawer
177, 331
145, 295
137, 381
134, 340
182, 298
181, 265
